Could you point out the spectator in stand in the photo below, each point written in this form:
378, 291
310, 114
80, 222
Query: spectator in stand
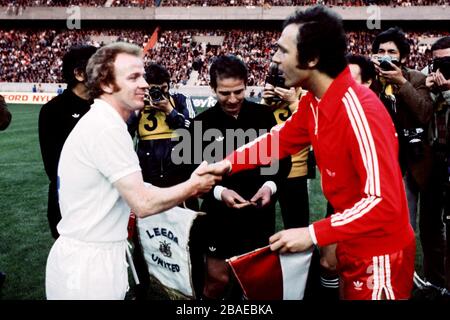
15, 4
25, 52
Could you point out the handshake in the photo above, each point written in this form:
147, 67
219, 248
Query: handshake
207, 175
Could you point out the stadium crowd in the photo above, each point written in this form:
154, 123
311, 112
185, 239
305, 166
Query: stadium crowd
223, 3
51, 3
270, 3
25, 53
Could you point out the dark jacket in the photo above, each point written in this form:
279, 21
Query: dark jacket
414, 109
57, 118
240, 229
155, 149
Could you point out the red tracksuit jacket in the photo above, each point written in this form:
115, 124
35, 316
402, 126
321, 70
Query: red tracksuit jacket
356, 149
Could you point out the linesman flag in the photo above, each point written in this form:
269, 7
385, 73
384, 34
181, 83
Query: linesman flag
268, 275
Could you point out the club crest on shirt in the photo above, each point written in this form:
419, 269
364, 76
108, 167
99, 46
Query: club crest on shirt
164, 248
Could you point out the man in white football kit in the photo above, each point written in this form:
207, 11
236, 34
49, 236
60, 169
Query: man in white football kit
100, 181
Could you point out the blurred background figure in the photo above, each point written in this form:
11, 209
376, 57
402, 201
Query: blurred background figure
58, 117
5, 120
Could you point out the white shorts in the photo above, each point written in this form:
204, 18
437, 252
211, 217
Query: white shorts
78, 270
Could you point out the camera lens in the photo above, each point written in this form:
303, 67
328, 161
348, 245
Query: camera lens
156, 94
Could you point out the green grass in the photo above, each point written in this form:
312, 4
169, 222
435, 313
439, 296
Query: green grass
25, 240
25, 237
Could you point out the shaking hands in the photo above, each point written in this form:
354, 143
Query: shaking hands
207, 175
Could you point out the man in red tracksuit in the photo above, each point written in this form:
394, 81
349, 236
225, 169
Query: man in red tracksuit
356, 149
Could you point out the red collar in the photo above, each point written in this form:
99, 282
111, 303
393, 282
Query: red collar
332, 99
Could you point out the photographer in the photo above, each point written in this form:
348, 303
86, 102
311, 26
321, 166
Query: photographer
433, 206
405, 96
293, 193
155, 126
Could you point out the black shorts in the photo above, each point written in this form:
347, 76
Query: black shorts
224, 232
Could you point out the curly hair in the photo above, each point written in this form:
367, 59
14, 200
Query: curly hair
100, 68
395, 35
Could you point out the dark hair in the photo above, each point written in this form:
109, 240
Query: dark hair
321, 35
76, 59
156, 74
442, 43
228, 66
100, 68
366, 66
395, 35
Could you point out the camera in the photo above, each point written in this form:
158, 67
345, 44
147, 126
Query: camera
384, 63
155, 94
414, 139
443, 64
276, 79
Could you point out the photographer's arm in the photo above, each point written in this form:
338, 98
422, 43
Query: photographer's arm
416, 97
182, 113
267, 94
438, 86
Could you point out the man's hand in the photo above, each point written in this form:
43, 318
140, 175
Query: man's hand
202, 181
288, 95
442, 83
262, 197
429, 81
269, 91
233, 200
328, 257
162, 105
291, 240
219, 168
394, 76
437, 81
